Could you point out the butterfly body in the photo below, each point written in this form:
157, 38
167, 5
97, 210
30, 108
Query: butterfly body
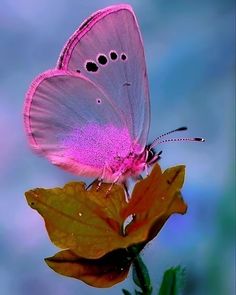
91, 114
123, 167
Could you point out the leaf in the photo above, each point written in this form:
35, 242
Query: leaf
153, 200
101, 273
141, 275
173, 281
86, 222
126, 292
91, 222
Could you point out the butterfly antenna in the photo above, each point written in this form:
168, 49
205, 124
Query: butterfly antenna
179, 139
156, 141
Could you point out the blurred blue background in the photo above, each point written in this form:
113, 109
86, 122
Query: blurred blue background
190, 56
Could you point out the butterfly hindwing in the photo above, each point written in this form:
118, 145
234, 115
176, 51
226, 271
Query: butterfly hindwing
73, 123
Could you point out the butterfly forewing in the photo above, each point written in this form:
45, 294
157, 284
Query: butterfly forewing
108, 50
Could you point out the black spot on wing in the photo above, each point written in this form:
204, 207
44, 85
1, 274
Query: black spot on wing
91, 66
123, 56
127, 84
113, 55
102, 59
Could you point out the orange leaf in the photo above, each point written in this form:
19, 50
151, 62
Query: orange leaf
153, 200
91, 223
86, 221
101, 273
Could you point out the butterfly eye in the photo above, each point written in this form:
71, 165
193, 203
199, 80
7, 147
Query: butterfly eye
113, 55
91, 66
102, 59
123, 56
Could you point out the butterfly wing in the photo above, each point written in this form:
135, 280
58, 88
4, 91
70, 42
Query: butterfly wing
108, 50
73, 123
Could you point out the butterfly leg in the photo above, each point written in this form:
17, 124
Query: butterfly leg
94, 181
150, 163
146, 170
126, 189
114, 182
100, 179
137, 177
156, 158
127, 194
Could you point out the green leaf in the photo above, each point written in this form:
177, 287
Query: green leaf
141, 276
139, 293
173, 281
126, 292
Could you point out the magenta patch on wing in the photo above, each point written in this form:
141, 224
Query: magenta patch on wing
97, 145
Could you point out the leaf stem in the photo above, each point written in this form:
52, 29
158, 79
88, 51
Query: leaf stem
141, 276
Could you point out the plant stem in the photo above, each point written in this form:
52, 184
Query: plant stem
141, 276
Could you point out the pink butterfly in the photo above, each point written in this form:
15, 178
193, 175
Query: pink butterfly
91, 114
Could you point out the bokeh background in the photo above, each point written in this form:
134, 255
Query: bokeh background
190, 57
